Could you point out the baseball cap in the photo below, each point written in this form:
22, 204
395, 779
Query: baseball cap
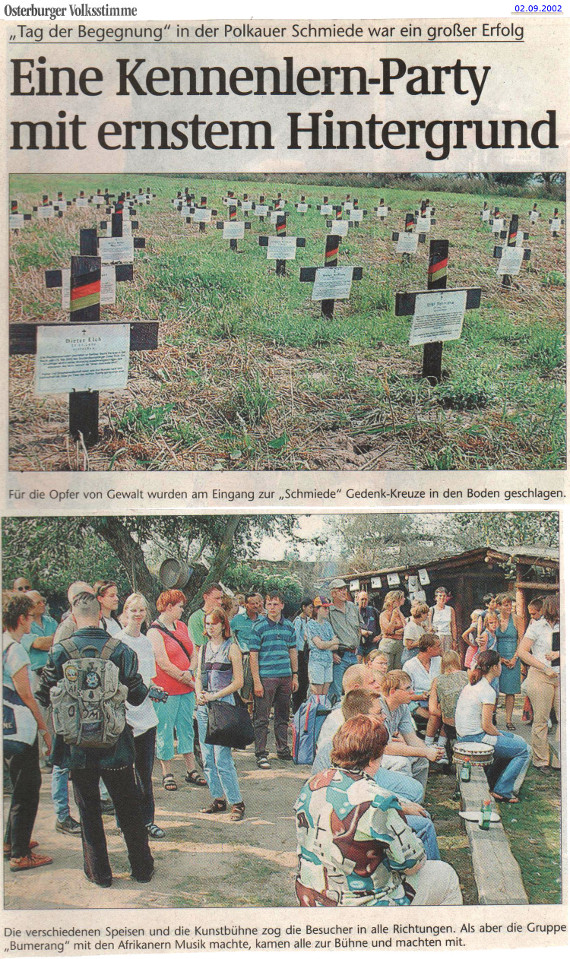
337, 584
321, 601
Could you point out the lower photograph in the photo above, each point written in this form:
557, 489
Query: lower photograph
281, 710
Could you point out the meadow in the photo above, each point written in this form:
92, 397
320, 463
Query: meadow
248, 374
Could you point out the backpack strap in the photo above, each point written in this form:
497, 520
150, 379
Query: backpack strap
70, 648
110, 647
162, 629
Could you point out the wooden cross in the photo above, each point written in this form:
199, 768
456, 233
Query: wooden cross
45, 209
408, 240
382, 210
85, 287
485, 213
423, 220
425, 209
356, 216
279, 203
512, 255
118, 226
343, 276
261, 209
246, 205
338, 226
555, 223
89, 246
496, 222
81, 200
61, 204
281, 247
233, 228
327, 209
17, 219
201, 214
534, 214
437, 309
302, 206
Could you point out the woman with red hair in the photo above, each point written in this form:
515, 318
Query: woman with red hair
219, 676
175, 664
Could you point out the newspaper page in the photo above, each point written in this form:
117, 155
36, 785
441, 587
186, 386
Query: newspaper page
286, 326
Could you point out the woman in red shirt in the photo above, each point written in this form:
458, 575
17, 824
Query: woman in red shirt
175, 664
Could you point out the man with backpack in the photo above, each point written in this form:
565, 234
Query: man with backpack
92, 674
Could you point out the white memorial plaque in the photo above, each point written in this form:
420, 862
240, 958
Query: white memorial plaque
273, 217
326, 209
45, 212
280, 205
485, 214
81, 201
281, 247
354, 585
16, 221
347, 206
423, 224
382, 212
407, 243
438, 316
127, 228
555, 225
108, 287
261, 210
185, 211
393, 579
519, 239
91, 356
234, 230
332, 283
534, 216
356, 216
202, 215
302, 207
117, 249
497, 225
246, 205
511, 261
227, 200
339, 228
376, 582
98, 200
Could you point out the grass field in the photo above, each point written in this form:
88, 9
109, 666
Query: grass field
249, 376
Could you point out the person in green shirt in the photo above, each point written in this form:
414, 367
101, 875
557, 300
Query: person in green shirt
212, 597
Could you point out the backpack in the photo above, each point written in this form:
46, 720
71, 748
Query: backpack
307, 723
88, 703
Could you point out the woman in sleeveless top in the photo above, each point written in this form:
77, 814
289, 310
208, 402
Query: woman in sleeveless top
441, 620
507, 642
392, 625
219, 676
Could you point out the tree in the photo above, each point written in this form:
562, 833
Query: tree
54, 551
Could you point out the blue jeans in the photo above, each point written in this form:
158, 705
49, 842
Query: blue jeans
400, 784
59, 791
339, 669
507, 746
425, 829
219, 766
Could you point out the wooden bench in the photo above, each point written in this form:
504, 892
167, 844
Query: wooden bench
496, 871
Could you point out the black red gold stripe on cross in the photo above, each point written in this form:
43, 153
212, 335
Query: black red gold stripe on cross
85, 290
281, 225
438, 268
233, 212
13, 206
331, 249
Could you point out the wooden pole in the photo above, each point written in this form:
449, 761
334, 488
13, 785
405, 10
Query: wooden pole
437, 280
85, 308
331, 259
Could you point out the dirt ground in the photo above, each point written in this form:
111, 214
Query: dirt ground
203, 861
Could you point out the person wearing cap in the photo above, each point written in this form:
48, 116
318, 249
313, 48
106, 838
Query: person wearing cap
345, 621
322, 643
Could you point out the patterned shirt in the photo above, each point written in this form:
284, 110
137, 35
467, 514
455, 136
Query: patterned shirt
272, 641
353, 845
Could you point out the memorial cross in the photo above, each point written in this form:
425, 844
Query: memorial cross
438, 316
233, 228
201, 214
534, 215
281, 247
261, 209
85, 297
512, 255
555, 223
407, 242
302, 206
382, 210
332, 279
246, 205
45, 209
485, 213
17, 219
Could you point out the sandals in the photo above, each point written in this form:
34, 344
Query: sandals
154, 831
511, 800
218, 805
511, 726
195, 779
169, 782
238, 811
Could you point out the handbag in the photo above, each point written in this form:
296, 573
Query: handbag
229, 725
19, 725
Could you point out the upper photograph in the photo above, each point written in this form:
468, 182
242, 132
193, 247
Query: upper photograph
296, 322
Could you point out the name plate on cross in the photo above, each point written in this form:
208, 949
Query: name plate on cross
381, 212
302, 207
339, 228
234, 231
423, 224
246, 205
407, 243
511, 261
356, 216
438, 316
533, 216
261, 210
117, 249
16, 221
202, 215
79, 357
332, 283
281, 247
326, 209
497, 225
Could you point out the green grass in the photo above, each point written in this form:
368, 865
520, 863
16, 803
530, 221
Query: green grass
248, 351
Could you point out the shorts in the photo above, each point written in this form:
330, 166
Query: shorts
320, 673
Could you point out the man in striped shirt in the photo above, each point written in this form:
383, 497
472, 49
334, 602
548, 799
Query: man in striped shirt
273, 660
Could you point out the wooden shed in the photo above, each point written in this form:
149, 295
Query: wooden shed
526, 571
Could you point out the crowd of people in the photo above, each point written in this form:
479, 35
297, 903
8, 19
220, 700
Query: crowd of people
398, 689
